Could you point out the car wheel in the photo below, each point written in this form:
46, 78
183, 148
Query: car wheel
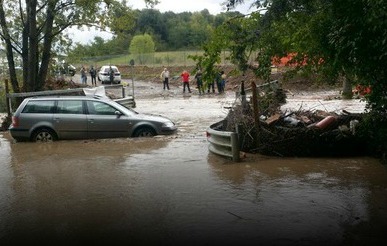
43, 135
144, 132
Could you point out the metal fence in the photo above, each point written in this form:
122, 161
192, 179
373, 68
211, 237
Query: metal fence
124, 99
168, 58
223, 143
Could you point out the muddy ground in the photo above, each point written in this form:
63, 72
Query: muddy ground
233, 80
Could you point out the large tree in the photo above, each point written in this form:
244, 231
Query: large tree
142, 47
32, 29
345, 38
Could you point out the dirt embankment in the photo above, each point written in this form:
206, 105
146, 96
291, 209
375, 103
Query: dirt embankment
153, 74
233, 81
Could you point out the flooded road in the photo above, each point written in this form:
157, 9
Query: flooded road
170, 190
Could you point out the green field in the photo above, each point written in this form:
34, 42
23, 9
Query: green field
170, 58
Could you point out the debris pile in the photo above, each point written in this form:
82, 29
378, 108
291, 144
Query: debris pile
298, 133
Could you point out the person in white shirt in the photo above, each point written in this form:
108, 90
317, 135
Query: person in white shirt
165, 78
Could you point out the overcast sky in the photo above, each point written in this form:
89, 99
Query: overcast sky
177, 6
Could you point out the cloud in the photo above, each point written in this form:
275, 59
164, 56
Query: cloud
213, 6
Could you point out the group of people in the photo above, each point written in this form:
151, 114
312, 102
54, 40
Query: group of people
220, 81
93, 75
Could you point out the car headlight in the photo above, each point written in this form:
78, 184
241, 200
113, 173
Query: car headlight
168, 124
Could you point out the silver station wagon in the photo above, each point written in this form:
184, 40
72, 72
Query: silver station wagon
82, 117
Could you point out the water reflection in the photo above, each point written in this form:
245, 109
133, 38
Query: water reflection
172, 191
308, 200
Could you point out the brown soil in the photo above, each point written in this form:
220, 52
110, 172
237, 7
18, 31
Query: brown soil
234, 78
233, 81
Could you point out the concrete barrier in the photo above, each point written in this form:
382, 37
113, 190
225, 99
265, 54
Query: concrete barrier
223, 143
127, 102
266, 88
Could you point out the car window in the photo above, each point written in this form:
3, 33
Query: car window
100, 108
70, 107
107, 69
39, 107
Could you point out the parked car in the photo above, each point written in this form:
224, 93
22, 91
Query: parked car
104, 75
69, 69
62, 67
44, 119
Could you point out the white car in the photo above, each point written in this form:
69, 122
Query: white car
104, 75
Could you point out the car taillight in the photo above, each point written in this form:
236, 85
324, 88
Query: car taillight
15, 121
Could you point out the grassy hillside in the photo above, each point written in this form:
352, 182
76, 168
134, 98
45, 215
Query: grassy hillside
157, 59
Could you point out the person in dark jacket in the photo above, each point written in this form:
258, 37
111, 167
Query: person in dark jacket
199, 81
93, 74
111, 75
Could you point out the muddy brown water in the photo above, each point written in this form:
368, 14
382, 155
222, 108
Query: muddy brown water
170, 190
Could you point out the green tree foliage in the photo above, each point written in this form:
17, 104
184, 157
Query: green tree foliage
240, 36
151, 21
199, 29
100, 49
33, 30
142, 47
359, 36
170, 31
339, 38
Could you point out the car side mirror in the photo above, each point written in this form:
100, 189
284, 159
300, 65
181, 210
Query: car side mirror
118, 113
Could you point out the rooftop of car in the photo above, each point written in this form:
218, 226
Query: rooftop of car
68, 97
108, 66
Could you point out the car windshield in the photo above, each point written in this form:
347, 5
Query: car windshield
122, 108
107, 69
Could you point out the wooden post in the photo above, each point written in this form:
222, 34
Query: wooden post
7, 102
255, 110
123, 91
240, 131
243, 95
131, 63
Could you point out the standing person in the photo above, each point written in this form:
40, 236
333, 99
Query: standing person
93, 74
111, 75
223, 77
185, 79
165, 78
199, 81
218, 80
83, 75
211, 87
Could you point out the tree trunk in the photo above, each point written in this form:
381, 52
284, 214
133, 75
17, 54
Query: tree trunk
9, 53
256, 112
31, 81
46, 52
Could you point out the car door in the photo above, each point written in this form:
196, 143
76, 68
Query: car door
70, 119
104, 122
